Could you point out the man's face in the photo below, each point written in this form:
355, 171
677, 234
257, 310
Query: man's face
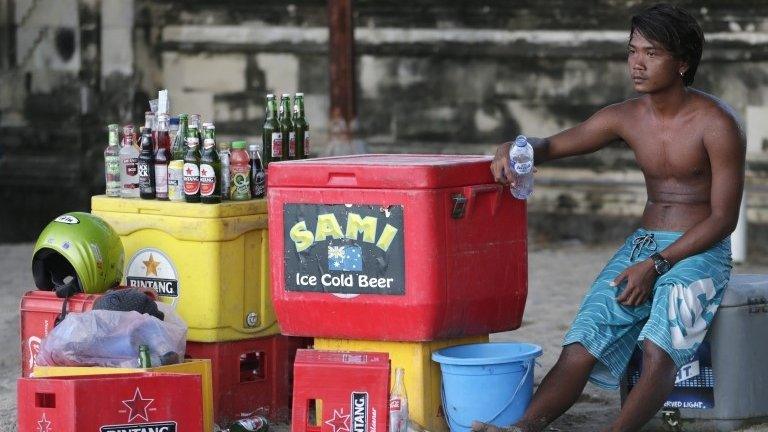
651, 67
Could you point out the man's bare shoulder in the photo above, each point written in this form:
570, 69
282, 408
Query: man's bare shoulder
721, 124
629, 106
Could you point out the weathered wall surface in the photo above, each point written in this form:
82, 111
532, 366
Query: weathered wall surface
432, 76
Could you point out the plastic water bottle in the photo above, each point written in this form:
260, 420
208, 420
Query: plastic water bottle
521, 164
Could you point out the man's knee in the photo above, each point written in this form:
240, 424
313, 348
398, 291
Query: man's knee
656, 358
576, 352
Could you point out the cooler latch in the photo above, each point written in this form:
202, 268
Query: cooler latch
459, 206
672, 419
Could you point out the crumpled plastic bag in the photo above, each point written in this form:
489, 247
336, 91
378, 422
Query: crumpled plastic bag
112, 338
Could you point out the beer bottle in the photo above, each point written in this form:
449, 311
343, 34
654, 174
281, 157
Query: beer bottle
258, 176
254, 423
210, 172
146, 166
192, 171
129, 169
144, 359
112, 162
180, 141
162, 157
209, 131
195, 128
272, 143
286, 128
302, 127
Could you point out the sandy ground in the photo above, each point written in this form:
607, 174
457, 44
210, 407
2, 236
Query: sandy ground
559, 276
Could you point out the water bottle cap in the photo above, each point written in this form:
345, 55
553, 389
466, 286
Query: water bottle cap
521, 141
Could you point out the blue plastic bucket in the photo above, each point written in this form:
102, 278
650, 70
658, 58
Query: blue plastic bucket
489, 382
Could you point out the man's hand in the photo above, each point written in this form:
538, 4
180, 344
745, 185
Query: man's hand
500, 165
640, 279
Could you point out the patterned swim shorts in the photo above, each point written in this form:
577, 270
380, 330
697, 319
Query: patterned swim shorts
675, 318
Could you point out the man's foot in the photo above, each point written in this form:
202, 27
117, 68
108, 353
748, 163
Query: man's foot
485, 427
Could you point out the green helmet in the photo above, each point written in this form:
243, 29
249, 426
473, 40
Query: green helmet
77, 252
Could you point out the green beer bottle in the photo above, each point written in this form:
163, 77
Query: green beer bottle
250, 424
210, 173
286, 128
301, 126
271, 139
180, 141
144, 360
191, 173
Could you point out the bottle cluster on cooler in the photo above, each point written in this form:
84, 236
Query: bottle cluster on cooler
179, 158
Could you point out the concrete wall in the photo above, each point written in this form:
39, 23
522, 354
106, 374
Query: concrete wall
432, 76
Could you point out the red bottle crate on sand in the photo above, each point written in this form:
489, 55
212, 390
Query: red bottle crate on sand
395, 247
351, 387
250, 375
111, 403
38, 313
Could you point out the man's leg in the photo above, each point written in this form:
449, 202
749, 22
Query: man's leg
653, 387
559, 389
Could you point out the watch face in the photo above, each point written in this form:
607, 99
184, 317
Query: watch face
662, 266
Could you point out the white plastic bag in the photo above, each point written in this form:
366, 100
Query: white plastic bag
112, 338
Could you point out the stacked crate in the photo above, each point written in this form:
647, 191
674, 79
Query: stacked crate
400, 254
211, 263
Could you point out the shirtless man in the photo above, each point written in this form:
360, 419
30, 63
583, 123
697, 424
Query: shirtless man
662, 288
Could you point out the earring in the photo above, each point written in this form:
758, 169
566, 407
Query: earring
682, 73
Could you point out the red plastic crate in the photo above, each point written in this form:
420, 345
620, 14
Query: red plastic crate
351, 387
250, 375
38, 313
111, 403
395, 248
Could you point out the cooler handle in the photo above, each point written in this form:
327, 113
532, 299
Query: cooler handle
475, 190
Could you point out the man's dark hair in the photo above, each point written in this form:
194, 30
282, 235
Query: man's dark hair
675, 29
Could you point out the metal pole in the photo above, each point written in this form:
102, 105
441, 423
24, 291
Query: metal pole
342, 75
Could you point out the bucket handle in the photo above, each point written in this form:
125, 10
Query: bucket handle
529, 369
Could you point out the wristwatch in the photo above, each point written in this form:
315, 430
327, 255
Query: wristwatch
660, 263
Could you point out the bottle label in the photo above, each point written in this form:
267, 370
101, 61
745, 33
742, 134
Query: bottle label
252, 424
292, 144
191, 179
523, 167
112, 165
240, 187
131, 166
161, 180
277, 144
394, 404
306, 143
207, 180
145, 181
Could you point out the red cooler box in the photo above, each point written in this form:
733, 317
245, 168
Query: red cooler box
395, 247
38, 313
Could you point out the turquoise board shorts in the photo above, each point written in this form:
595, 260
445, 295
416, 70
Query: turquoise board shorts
675, 318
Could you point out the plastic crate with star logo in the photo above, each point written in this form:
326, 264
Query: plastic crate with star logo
210, 261
39, 312
111, 403
340, 391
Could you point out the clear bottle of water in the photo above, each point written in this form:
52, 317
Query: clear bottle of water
521, 165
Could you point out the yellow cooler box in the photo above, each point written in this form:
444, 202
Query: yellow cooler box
210, 260
197, 367
422, 375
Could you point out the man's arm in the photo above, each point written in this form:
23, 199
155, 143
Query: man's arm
726, 147
586, 137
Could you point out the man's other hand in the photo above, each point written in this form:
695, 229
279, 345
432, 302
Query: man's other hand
500, 165
640, 279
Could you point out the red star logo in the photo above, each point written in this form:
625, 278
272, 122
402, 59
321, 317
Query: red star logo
189, 170
204, 172
339, 422
43, 425
138, 406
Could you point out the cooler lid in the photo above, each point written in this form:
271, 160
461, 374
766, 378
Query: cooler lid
383, 171
746, 289
181, 209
